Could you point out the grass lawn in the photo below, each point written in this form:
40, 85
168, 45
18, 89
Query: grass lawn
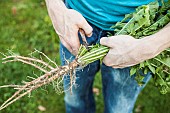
25, 25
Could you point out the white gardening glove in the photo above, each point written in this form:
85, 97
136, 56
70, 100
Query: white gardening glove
67, 23
127, 51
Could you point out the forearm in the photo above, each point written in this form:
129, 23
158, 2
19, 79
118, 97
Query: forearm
57, 5
159, 41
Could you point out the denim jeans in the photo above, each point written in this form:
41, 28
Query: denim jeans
120, 91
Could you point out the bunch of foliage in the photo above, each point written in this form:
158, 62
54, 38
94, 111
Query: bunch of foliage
145, 21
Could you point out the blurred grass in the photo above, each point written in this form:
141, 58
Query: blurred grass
25, 25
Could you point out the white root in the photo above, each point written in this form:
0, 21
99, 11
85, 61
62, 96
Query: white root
45, 79
26, 59
46, 57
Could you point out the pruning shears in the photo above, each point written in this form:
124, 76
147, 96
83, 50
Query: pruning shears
83, 36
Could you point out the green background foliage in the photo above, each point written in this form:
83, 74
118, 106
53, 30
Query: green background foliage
25, 25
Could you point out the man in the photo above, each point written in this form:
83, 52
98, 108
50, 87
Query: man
95, 17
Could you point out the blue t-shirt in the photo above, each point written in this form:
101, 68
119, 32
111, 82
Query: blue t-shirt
105, 13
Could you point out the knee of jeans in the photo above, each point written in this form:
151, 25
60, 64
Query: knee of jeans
72, 100
122, 104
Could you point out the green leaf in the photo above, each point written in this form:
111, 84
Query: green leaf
132, 71
146, 71
142, 65
152, 69
165, 62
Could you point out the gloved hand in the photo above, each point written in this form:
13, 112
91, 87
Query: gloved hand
127, 51
67, 23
